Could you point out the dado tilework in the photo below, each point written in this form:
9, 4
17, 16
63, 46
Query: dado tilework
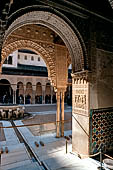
101, 129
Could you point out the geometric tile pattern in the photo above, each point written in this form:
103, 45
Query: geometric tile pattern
101, 129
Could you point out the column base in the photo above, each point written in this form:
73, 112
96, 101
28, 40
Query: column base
57, 136
101, 168
62, 135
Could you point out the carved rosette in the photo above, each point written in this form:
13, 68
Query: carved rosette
59, 26
9, 48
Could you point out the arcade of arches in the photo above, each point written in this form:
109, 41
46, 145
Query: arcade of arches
20, 93
59, 43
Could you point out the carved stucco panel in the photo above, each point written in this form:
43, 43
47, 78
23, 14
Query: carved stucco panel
80, 98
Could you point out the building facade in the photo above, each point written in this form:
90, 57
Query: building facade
24, 80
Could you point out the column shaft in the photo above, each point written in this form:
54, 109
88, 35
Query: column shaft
13, 97
58, 116
62, 114
43, 94
33, 96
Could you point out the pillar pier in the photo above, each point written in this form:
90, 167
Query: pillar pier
80, 113
58, 115
61, 83
62, 113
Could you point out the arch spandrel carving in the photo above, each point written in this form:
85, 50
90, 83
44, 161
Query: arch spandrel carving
27, 44
59, 26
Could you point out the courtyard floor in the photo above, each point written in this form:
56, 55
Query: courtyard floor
50, 153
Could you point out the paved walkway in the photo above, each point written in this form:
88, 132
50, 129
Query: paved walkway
52, 154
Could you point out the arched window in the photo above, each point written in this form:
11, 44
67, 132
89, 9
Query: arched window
32, 58
38, 58
10, 60
25, 57
6, 93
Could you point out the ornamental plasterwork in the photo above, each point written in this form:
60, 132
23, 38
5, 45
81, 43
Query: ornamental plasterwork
8, 49
80, 96
59, 26
45, 41
68, 60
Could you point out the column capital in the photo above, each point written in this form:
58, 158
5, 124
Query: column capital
62, 89
85, 74
14, 87
34, 87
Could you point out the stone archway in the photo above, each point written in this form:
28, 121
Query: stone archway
6, 91
58, 25
28, 44
74, 46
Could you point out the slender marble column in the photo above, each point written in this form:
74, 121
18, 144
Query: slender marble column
13, 97
33, 94
62, 113
58, 115
14, 87
24, 95
43, 94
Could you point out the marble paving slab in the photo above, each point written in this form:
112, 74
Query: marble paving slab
15, 165
2, 135
32, 166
